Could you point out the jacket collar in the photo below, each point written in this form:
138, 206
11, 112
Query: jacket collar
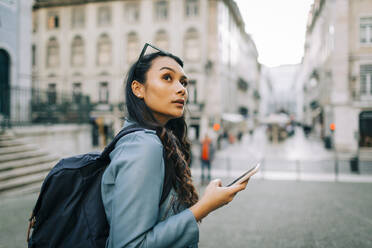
128, 122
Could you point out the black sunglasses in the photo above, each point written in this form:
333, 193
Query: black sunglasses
144, 50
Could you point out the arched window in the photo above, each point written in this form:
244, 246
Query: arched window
192, 45
132, 47
104, 50
52, 53
77, 52
161, 40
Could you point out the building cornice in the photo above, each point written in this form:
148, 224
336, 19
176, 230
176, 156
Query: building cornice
60, 3
236, 12
315, 12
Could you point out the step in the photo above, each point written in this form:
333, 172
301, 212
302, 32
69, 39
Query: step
27, 162
23, 155
16, 149
21, 181
7, 143
24, 190
365, 154
6, 137
10, 174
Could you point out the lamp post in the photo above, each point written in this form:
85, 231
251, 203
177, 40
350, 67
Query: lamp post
332, 127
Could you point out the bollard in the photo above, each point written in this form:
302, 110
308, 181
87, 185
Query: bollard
354, 165
336, 169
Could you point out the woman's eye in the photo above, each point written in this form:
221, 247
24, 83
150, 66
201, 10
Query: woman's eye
167, 77
184, 83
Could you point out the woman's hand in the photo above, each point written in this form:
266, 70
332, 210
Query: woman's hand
215, 196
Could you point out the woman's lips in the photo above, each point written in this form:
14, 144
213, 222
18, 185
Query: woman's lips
179, 103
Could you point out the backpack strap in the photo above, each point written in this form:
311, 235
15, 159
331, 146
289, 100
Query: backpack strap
127, 130
131, 129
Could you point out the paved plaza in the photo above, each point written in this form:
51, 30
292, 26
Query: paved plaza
272, 212
268, 213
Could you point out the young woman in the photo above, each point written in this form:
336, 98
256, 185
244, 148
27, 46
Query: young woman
144, 163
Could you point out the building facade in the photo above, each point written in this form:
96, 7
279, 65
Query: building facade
336, 73
15, 60
88, 46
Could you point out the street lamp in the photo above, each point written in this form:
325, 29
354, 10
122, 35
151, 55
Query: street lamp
332, 127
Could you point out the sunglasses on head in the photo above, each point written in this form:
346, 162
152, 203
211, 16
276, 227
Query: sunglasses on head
145, 48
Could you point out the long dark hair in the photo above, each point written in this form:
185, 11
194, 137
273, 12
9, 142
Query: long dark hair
173, 135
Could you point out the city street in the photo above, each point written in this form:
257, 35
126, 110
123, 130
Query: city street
283, 84
279, 212
297, 158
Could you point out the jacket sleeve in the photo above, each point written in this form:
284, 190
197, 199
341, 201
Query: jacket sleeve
138, 171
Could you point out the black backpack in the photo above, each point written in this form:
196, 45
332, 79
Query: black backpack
69, 211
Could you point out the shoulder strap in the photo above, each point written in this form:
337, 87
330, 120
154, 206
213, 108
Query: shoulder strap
130, 129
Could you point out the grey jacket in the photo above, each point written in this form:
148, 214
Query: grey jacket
131, 190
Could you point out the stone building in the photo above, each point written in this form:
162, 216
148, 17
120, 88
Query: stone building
15, 60
88, 46
336, 73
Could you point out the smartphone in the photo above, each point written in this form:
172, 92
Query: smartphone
246, 175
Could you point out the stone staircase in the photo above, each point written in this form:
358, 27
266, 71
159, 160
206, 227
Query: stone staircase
365, 154
23, 167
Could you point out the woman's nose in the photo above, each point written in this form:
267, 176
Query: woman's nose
180, 88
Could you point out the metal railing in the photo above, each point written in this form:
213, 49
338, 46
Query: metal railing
24, 106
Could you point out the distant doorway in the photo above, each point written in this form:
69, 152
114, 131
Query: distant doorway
365, 124
4, 83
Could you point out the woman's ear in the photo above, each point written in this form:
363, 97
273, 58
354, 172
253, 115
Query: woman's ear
138, 89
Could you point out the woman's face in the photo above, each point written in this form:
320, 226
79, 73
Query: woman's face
164, 91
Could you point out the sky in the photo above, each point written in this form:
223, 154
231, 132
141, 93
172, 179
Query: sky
277, 27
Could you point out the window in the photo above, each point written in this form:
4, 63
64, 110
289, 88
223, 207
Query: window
192, 45
132, 47
103, 92
365, 30
132, 12
33, 55
161, 10
76, 92
104, 50
34, 22
77, 17
104, 15
161, 40
192, 8
366, 80
53, 20
77, 52
52, 93
191, 88
242, 85
52, 53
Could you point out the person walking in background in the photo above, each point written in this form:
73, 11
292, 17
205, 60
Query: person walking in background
207, 153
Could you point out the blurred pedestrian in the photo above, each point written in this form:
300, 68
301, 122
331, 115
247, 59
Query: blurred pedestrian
207, 152
239, 136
